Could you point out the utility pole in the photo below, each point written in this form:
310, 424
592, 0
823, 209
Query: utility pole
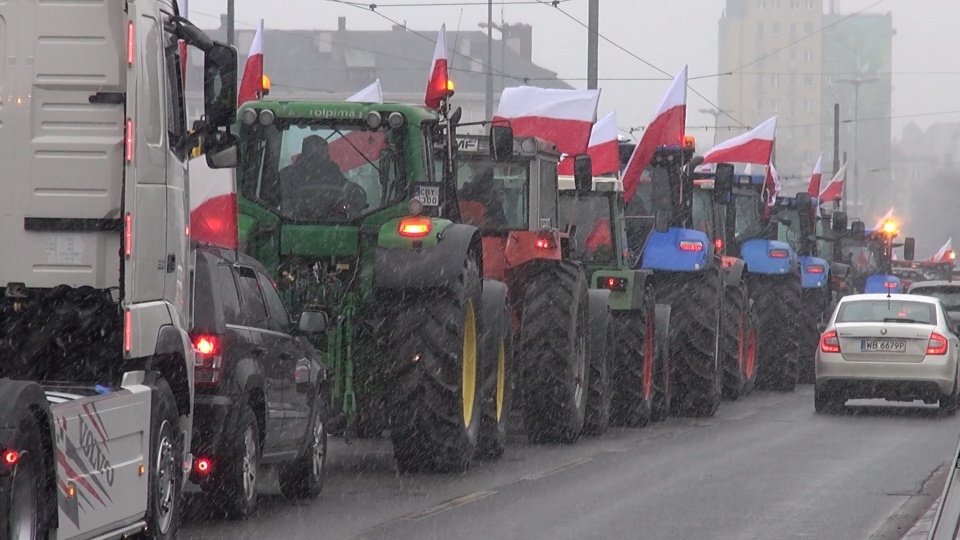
836, 138
489, 69
844, 196
231, 16
855, 188
593, 35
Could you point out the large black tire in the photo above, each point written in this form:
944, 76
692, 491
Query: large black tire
499, 377
777, 303
553, 343
662, 366
600, 358
26, 500
303, 477
738, 373
813, 311
695, 328
237, 473
435, 402
166, 465
633, 368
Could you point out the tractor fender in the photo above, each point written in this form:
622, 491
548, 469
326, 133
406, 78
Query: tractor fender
173, 359
883, 284
812, 280
19, 397
640, 278
663, 252
597, 302
757, 254
733, 270
426, 267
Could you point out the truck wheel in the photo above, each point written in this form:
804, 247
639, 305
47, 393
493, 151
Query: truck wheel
498, 382
695, 344
553, 343
662, 390
303, 477
235, 488
633, 372
736, 326
26, 501
600, 359
812, 306
166, 469
435, 410
777, 302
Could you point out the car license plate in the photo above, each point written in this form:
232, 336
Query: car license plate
883, 345
428, 195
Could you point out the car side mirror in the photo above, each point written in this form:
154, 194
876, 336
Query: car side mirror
909, 248
661, 221
804, 203
501, 143
220, 85
223, 152
313, 322
839, 222
723, 182
583, 174
858, 230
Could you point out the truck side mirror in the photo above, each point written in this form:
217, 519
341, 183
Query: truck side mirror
583, 174
858, 230
723, 182
223, 152
220, 85
501, 143
661, 221
909, 248
313, 322
804, 203
839, 222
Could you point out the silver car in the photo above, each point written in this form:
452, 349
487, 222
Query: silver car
948, 292
897, 347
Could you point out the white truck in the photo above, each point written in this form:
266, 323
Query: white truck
96, 367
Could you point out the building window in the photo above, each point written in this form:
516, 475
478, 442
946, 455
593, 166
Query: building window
807, 131
794, 4
809, 4
759, 30
775, 80
808, 80
793, 54
808, 28
808, 55
808, 105
774, 105
793, 109
775, 29
759, 106
793, 29
793, 79
775, 55
762, 4
776, 4
829, 80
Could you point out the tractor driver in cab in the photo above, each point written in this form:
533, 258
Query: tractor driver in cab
313, 187
481, 200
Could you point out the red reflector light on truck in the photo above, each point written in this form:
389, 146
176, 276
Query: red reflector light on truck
203, 466
128, 141
128, 235
127, 331
131, 43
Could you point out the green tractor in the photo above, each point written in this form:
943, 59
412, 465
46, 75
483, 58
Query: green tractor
353, 207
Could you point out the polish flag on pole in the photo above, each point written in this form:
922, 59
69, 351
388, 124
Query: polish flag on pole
885, 217
666, 128
604, 150
439, 85
771, 185
754, 146
834, 190
563, 117
183, 6
252, 82
213, 206
813, 188
370, 94
943, 254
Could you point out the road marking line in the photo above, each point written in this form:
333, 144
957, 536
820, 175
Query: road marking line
443, 507
554, 470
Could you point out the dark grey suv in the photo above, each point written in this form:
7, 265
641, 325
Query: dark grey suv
261, 393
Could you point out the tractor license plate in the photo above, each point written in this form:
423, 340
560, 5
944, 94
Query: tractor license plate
883, 345
428, 195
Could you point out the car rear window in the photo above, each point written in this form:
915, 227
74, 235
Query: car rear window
887, 311
229, 296
254, 310
948, 294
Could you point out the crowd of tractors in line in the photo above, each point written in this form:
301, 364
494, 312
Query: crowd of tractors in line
576, 310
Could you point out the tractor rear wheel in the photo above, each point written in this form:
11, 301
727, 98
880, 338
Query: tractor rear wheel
553, 343
633, 368
435, 405
662, 366
737, 370
695, 343
777, 302
600, 359
498, 381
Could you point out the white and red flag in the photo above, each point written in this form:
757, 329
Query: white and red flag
438, 83
813, 188
754, 146
213, 206
943, 254
252, 83
371, 94
563, 117
771, 185
666, 128
604, 150
834, 190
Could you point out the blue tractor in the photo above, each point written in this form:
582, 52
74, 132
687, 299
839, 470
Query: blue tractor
870, 256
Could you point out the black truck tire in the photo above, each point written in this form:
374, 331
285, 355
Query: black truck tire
695, 328
166, 469
662, 366
813, 311
499, 377
777, 303
237, 473
435, 402
633, 368
736, 333
553, 343
26, 498
303, 477
600, 358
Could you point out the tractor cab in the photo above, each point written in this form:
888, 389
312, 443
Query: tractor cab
594, 220
797, 225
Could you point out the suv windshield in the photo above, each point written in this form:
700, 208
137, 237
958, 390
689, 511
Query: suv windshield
323, 172
592, 217
493, 195
948, 294
879, 311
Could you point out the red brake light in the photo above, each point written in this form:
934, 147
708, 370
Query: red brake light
11, 457
544, 243
613, 283
816, 269
691, 245
206, 345
128, 235
829, 342
131, 43
779, 253
415, 227
937, 344
203, 466
890, 285
127, 330
718, 243
128, 140
208, 368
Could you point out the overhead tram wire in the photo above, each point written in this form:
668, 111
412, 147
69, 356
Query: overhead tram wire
482, 3
556, 4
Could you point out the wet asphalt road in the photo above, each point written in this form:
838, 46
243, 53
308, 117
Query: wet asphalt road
764, 467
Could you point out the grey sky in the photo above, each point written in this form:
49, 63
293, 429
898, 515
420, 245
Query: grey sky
666, 33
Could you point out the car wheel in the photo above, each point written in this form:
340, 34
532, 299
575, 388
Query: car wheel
239, 470
303, 477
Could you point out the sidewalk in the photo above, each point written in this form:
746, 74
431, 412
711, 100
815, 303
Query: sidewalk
921, 528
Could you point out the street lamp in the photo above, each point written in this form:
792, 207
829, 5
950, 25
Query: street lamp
855, 185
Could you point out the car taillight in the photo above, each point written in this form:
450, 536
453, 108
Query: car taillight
816, 269
414, 227
613, 283
691, 245
779, 253
937, 345
829, 342
208, 368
